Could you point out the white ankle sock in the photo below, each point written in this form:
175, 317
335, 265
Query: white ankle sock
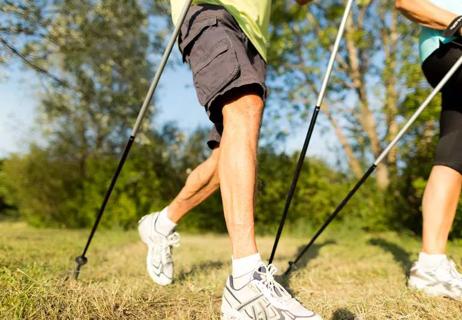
163, 224
244, 266
431, 261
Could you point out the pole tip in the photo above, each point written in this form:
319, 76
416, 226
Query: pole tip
291, 264
80, 261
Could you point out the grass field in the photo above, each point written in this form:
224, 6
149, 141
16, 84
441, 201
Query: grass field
348, 275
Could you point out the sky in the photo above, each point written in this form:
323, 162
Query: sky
17, 110
19, 95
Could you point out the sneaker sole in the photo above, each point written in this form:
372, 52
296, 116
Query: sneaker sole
228, 313
230, 317
436, 291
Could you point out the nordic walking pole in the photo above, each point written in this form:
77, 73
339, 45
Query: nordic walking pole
314, 117
82, 259
379, 159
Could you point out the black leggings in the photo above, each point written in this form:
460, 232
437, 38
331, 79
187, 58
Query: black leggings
435, 67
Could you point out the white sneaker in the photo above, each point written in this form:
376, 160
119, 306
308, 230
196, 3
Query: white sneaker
444, 280
261, 298
159, 259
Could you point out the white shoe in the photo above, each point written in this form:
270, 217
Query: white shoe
444, 280
261, 297
159, 259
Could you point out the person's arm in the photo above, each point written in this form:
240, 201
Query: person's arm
302, 2
426, 13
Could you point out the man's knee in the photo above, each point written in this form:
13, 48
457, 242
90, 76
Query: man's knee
246, 108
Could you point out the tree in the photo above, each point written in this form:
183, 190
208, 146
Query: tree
376, 76
23, 24
100, 51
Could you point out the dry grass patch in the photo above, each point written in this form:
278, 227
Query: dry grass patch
346, 276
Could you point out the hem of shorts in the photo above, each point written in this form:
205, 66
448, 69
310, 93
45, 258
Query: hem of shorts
213, 144
451, 165
241, 83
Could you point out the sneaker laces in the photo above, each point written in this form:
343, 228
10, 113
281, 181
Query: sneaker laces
453, 271
275, 289
451, 274
172, 240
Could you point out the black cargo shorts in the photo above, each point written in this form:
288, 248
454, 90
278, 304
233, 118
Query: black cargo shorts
223, 61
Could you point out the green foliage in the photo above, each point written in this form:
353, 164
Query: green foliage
302, 39
319, 191
24, 25
101, 51
314, 197
39, 188
50, 189
207, 217
7, 209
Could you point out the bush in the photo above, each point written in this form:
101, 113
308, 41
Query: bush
7, 209
320, 189
51, 190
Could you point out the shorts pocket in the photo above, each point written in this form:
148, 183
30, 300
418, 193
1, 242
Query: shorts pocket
212, 58
188, 35
214, 64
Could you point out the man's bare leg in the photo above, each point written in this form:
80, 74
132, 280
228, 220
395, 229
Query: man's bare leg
237, 169
157, 229
201, 183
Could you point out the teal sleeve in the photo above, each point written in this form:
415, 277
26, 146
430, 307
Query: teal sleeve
430, 40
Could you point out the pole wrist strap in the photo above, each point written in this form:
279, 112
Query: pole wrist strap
453, 27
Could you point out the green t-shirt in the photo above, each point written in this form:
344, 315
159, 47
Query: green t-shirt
253, 17
430, 38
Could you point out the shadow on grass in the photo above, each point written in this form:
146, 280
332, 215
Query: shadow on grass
311, 254
399, 254
343, 314
203, 267
303, 262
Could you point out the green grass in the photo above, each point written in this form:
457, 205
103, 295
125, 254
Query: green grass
348, 275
